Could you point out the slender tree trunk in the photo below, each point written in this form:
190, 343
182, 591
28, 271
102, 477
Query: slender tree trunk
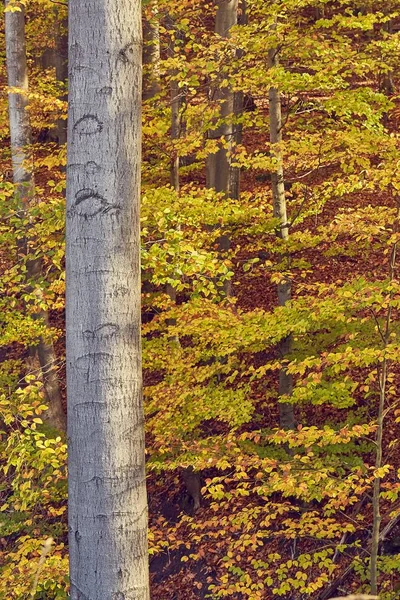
376, 509
151, 57
234, 181
218, 170
61, 65
218, 165
319, 12
286, 412
20, 134
107, 486
174, 172
56, 57
176, 103
382, 379
388, 84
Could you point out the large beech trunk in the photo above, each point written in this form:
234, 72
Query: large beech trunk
107, 485
20, 134
286, 412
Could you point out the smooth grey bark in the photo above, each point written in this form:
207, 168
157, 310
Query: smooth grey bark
151, 57
218, 164
284, 289
20, 135
107, 486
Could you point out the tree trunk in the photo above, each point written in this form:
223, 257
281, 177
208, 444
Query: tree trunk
218, 164
286, 412
383, 376
107, 486
238, 106
151, 57
20, 134
61, 65
176, 103
376, 508
218, 170
388, 86
56, 58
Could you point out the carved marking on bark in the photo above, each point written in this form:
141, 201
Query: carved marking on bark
83, 68
89, 405
121, 513
89, 203
127, 54
126, 480
91, 167
102, 332
88, 125
106, 90
85, 240
121, 290
90, 364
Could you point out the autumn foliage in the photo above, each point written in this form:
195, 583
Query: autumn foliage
283, 512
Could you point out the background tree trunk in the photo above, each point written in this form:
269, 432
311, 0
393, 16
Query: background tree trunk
176, 106
61, 65
218, 164
218, 170
151, 57
56, 57
238, 107
20, 134
286, 412
388, 86
107, 486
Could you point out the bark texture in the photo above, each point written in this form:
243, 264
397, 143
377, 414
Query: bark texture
107, 489
286, 412
20, 135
